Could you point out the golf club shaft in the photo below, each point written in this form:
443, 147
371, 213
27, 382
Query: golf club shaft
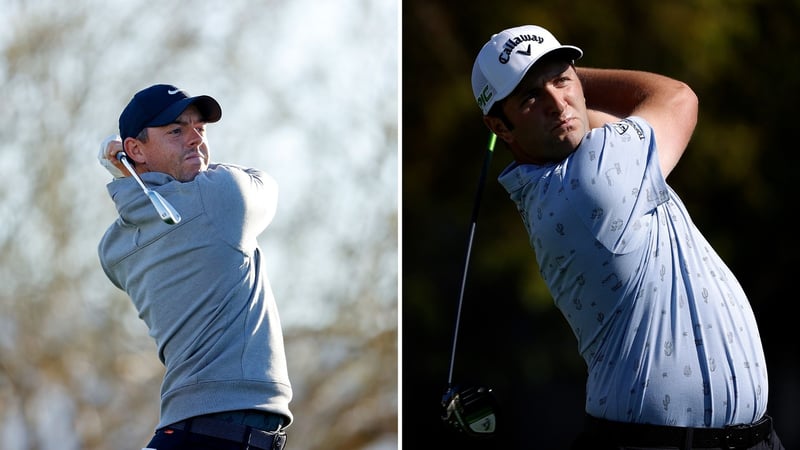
164, 209
473, 224
123, 158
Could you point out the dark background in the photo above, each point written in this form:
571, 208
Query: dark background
738, 179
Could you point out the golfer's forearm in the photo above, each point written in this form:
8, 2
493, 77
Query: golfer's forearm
599, 118
668, 105
627, 92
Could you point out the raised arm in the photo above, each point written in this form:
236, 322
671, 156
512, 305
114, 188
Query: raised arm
669, 105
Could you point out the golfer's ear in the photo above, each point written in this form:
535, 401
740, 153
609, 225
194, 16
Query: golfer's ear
133, 148
498, 127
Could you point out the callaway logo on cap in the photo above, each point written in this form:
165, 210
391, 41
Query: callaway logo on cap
506, 58
160, 105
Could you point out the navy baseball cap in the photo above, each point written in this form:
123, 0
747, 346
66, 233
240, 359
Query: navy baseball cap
160, 105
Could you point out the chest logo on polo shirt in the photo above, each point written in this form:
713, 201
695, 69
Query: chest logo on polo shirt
620, 127
623, 126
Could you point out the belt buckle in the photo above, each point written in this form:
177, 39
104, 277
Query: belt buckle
730, 440
267, 440
738, 436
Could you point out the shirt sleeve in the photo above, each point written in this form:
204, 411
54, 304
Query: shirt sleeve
240, 201
614, 182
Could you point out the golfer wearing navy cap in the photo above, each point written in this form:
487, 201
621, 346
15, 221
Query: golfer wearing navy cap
200, 284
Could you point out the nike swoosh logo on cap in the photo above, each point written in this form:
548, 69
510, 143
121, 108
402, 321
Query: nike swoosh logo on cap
173, 91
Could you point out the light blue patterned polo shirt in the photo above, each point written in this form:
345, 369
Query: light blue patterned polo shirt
666, 330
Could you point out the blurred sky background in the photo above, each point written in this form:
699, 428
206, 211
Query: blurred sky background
309, 92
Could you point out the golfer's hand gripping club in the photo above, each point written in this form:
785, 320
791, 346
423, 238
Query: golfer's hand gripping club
167, 213
109, 147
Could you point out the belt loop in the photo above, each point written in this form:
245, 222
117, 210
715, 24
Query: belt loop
279, 440
689, 437
248, 431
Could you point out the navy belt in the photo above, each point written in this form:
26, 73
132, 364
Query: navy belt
646, 435
245, 434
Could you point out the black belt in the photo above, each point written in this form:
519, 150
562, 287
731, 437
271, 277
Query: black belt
645, 435
253, 437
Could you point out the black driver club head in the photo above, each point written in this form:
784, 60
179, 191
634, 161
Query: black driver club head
471, 410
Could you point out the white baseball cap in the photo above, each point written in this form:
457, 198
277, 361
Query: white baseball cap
506, 58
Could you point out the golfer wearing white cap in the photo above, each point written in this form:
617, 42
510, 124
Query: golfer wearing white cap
670, 341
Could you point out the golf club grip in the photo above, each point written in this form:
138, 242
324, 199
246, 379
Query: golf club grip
123, 158
487, 162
